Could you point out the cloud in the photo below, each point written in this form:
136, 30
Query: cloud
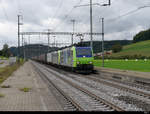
56, 14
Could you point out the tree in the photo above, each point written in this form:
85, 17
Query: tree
5, 51
142, 36
116, 48
1, 53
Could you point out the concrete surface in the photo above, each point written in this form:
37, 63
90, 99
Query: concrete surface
125, 74
39, 98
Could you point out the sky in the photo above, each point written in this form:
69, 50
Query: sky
122, 20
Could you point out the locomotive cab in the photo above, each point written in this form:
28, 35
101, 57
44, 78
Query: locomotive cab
84, 59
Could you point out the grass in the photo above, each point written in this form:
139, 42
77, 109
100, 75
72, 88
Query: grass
2, 95
1, 63
140, 65
3, 58
5, 72
5, 86
140, 48
25, 89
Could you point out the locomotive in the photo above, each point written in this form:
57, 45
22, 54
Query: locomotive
77, 59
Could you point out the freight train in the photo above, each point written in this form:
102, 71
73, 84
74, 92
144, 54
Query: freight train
77, 59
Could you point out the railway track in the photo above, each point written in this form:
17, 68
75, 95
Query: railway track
123, 88
83, 95
131, 84
117, 84
68, 103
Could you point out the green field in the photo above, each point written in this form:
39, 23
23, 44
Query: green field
3, 58
140, 48
141, 65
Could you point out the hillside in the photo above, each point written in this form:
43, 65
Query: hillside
142, 36
97, 45
31, 50
140, 48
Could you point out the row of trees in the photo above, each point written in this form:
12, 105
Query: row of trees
5, 51
142, 36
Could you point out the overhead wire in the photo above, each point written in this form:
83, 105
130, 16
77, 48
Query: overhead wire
57, 10
128, 13
4, 11
19, 6
67, 15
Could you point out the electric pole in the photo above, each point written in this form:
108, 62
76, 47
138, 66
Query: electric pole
19, 37
91, 17
91, 24
29, 39
73, 21
25, 50
54, 41
48, 38
102, 41
22, 45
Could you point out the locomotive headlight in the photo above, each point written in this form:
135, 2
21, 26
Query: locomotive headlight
78, 62
91, 62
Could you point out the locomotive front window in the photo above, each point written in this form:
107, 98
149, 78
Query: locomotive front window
81, 52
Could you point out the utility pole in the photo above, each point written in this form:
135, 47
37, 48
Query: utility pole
91, 17
19, 23
29, 39
25, 50
29, 54
54, 41
22, 45
102, 41
48, 38
73, 21
18, 38
91, 24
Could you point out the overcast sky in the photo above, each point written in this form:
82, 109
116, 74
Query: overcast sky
122, 19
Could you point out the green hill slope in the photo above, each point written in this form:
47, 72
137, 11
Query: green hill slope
140, 48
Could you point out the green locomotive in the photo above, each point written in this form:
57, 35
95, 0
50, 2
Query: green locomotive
78, 59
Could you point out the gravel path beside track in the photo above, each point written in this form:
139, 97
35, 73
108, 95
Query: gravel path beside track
39, 98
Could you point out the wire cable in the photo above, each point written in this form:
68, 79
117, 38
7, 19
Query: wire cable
128, 13
5, 13
67, 15
58, 9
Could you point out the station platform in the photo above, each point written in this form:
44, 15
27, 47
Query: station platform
125, 75
39, 97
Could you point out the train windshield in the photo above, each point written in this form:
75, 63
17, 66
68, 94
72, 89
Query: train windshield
83, 52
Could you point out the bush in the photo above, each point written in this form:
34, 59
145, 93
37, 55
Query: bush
116, 48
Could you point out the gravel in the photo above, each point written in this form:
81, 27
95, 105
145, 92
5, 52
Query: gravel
111, 94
